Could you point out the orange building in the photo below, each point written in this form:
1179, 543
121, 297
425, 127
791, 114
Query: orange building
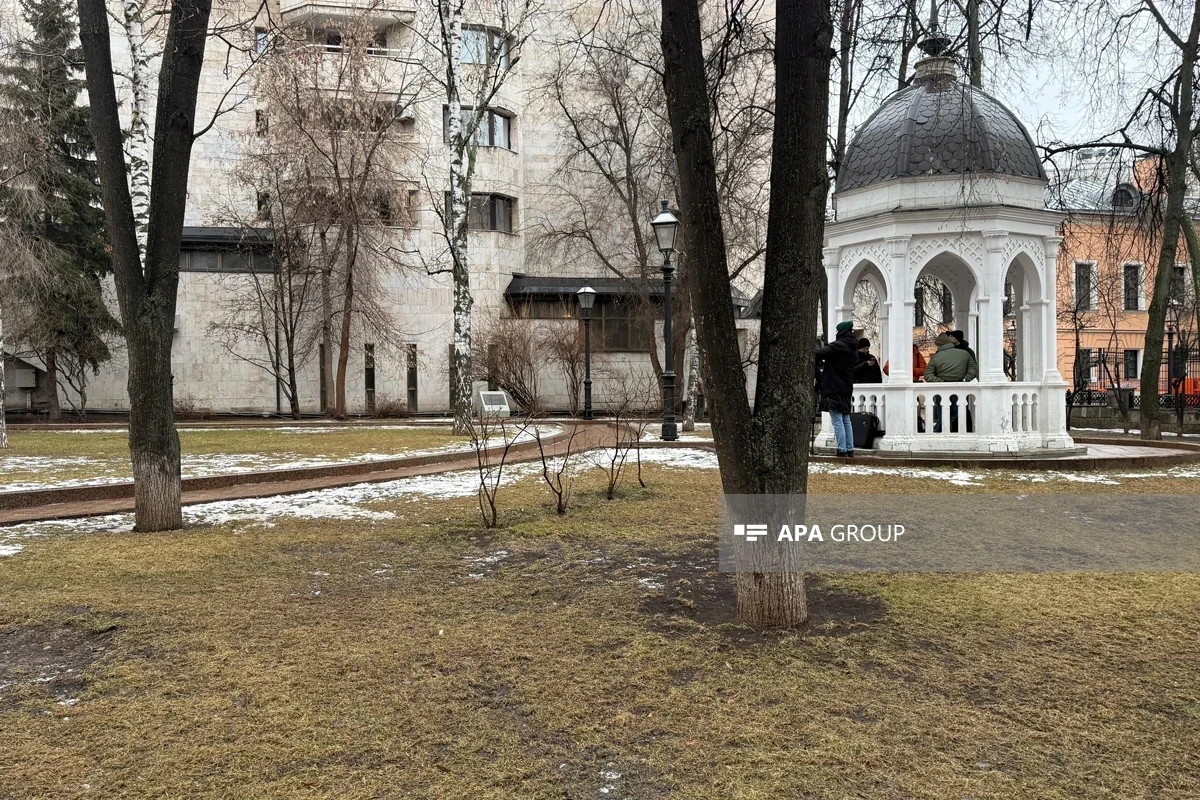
1106, 272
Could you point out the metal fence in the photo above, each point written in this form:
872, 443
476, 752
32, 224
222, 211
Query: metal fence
1100, 374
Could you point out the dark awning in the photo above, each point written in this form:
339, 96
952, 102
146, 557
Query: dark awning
211, 238
556, 287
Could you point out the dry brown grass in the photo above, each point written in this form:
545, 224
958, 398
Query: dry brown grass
356, 660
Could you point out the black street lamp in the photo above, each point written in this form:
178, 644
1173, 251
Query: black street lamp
587, 297
666, 226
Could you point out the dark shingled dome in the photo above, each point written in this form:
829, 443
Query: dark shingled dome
939, 126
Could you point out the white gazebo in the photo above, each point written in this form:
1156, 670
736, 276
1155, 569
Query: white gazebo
943, 180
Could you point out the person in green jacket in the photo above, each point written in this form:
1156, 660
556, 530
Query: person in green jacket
950, 364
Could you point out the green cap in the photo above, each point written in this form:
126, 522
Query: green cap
845, 326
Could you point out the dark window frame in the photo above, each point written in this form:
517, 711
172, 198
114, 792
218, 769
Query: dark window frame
1131, 290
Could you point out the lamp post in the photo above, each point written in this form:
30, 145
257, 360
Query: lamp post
666, 226
586, 297
1175, 372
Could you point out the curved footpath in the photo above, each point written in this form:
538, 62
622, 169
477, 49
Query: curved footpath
38, 505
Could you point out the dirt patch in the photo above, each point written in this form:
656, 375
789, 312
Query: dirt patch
50, 659
691, 588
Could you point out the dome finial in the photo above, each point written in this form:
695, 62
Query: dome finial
934, 45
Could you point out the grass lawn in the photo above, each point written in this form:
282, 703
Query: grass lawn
588, 657
66, 457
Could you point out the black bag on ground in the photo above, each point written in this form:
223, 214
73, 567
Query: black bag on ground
866, 429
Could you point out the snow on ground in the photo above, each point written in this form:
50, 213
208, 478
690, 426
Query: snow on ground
200, 466
363, 501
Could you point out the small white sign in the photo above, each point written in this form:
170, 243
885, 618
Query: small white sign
494, 404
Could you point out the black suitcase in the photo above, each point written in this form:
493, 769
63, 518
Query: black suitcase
866, 430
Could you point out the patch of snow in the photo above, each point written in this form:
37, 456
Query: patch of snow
677, 457
649, 583
10, 550
958, 477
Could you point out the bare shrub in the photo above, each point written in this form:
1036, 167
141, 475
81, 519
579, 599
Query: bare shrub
492, 439
390, 408
557, 472
507, 353
186, 409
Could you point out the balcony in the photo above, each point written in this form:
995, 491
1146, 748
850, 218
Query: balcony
318, 12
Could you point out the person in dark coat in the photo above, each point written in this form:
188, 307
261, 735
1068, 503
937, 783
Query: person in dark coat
960, 343
867, 370
837, 384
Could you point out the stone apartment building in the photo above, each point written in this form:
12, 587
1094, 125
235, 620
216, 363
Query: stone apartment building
517, 169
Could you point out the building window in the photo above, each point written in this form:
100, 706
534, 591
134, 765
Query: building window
379, 44
332, 39
1179, 284
1132, 367
224, 261
548, 308
919, 307
1133, 286
1123, 198
495, 127
620, 325
369, 375
947, 305
263, 204
262, 40
1085, 285
489, 212
261, 126
484, 46
411, 359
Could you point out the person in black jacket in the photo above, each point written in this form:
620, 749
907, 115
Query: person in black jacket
867, 370
960, 343
837, 384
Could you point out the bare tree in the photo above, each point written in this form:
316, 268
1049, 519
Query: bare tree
508, 355
329, 170
760, 449
561, 345
146, 287
472, 62
1162, 123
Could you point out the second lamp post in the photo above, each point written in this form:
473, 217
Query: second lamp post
665, 227
587, 296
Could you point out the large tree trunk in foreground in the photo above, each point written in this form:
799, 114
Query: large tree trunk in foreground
146, 291
764, 450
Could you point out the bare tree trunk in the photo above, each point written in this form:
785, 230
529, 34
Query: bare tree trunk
138, 141
347, 319
974, 45
52, 404
3, 389
762, 450
327, 325
846, 40
693, 378
1176, 174
460, 189
1193, 246
146, 290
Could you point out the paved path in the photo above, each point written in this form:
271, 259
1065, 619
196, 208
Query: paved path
250, 485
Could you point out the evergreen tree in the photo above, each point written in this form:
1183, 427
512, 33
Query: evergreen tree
55, 203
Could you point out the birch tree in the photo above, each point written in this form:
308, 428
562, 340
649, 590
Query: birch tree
477, 45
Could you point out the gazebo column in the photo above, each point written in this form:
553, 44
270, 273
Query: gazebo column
990, 347
833, 289
1052, 410
900, 307
900, 420
1049, 327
